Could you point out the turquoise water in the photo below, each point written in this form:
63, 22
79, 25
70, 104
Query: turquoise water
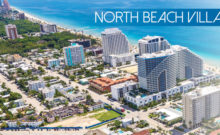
179, 109
143, 95
163, 117
77, 14
120, 132
71, 92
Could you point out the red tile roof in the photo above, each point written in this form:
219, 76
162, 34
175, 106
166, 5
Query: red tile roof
144, 132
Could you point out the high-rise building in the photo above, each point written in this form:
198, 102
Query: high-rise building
48, 28
115, 47
74, 55
4, 6
159, 71
11, 31
151, 44
21, 16
201, 104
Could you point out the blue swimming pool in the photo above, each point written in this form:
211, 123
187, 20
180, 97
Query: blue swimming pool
179, 109
71, 92
163, 117
120, 132
143, 95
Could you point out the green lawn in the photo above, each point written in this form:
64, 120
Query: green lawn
106, 115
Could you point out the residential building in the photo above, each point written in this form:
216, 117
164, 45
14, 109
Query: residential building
152, 44
19, 102
47, 92
4, 6
11, 31
104, 84
75, 97
127, 122
205, 78
115, 47
159, 71
53, 63
74, 55
35, 85
200, 105
118, 90
123, 59
14, 58
95, 50
48, 28
97, 105
140, 99
27, 121
63, 112
144, 132
21, 16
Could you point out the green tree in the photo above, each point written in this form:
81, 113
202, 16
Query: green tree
4, 125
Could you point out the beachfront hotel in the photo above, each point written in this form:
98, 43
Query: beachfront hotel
74, 55
11, 31
115, 48
159, 71
201, 104
151, 44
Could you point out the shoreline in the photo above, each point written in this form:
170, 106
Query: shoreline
33, 18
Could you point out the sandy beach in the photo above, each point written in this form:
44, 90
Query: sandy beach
212, 68
35, 19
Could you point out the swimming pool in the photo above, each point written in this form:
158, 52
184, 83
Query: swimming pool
71, 92
120, 132
143, 95
163, 117
179, 109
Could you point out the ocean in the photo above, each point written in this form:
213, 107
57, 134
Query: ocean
205, 41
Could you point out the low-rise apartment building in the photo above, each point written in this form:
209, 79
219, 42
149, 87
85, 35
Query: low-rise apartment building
140, 99
104, 84
118, 91
97, 105
35, 85
205, 79
29, 121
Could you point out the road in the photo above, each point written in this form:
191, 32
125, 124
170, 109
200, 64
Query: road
130, 113
95, 96
27, 99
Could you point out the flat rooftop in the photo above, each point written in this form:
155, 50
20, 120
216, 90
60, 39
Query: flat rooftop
111, 31
203, 91
163, 53
148, 39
